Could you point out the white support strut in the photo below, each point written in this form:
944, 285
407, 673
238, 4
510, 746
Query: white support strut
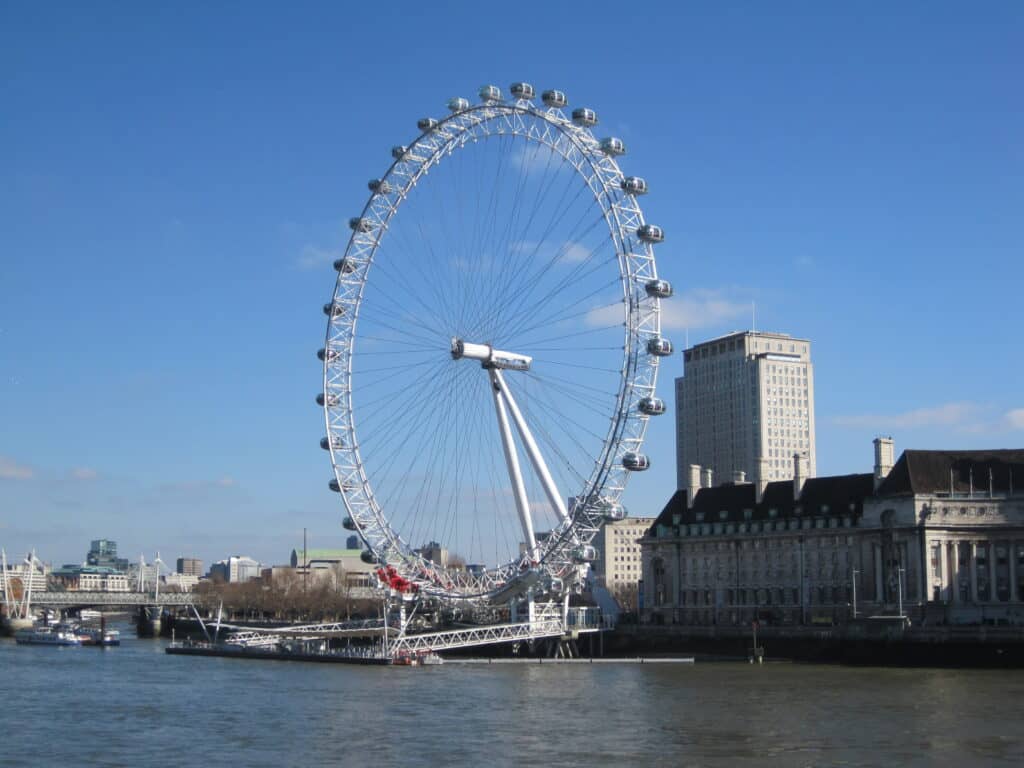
539, 466
512, 461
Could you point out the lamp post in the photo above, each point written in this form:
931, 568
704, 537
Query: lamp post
853, 579
899, 589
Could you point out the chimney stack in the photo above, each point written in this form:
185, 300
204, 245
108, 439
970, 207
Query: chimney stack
692, 483
739, 477
707, 477
762, 477
884, 458
799, 474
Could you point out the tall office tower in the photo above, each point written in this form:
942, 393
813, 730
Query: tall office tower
745, 403
189, 566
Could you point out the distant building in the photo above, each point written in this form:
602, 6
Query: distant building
90, 578
744, 406
189, 566
618, 567
435, 553
182, 581
235, 569
352, 542
939, 534
322, 563
103, 553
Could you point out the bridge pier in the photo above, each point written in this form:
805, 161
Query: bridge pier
148, 621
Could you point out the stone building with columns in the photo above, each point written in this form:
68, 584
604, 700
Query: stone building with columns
939, 535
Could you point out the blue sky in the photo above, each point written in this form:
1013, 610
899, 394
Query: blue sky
175, 181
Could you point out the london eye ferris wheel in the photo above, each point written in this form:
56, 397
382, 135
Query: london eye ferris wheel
492, 348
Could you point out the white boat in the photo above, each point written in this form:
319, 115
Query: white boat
58, 635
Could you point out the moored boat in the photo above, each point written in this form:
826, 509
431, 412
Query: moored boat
59, 635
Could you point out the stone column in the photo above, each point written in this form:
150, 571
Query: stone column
1014, 597
993, 596
973, 566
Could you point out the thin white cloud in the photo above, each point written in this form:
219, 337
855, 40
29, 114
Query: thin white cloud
315, 257
701, 308
11, 470
1014, 419
960, 414
226, 482
84, 473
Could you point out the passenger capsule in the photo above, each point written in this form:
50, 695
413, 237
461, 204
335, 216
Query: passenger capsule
490, 93
426, 124
610, 509
652, 406
458, 104
659, 347
348, 523
650, 233
379, 186
334, 441
634, 185
334, 310
556, 585
399, 151
368, 557
333, 485
344, 265
330, 401
585, 117
613, 146
554, 99
522, 90
635, 462
328, 355
584, 554
659, 289
360, 225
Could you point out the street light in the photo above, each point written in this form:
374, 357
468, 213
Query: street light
899, 589
853, 579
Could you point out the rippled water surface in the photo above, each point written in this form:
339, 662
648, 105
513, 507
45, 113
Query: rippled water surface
135, 705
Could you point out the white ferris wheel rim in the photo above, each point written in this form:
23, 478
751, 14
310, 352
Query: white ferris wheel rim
598, 170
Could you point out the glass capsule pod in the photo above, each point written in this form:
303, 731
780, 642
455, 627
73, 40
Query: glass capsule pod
659, 346
554, 99
368, 557
360, 225
522, 90
634, 185
490, 93
613, 146
348, 523
333, 485
458, 104
328, 355
334, 441
399, 151
585, 117
556, 585
344, 265
651, 233
586, 553
379, 186
334, 310
659, 289
635, 462
612, 511
652, 406
330, 401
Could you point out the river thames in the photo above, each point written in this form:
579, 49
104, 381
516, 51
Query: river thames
136, 706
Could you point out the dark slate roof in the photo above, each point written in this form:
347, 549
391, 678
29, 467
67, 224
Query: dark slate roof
821, 496
929, 472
